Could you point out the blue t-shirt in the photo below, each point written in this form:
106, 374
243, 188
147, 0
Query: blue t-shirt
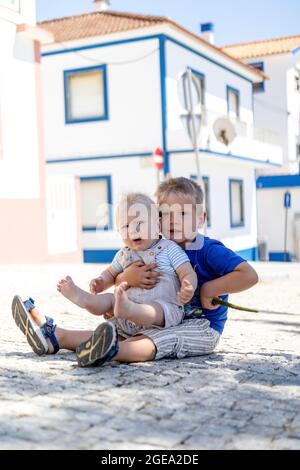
210, 260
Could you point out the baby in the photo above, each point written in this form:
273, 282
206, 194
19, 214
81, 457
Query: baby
136, 309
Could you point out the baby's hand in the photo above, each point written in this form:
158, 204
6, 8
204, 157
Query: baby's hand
96, 285
186, 292
108, 315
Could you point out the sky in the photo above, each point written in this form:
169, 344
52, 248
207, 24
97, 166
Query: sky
235, 20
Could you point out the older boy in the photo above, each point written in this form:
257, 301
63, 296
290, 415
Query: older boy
219, 271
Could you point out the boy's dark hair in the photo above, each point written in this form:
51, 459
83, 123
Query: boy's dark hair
181, 186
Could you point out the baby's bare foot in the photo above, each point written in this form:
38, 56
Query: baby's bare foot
123, 306
72, 292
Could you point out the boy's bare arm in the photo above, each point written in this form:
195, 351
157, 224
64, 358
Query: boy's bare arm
104, 281
241, 278
139, 274
189, 282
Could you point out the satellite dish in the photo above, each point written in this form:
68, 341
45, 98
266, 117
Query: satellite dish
224, 131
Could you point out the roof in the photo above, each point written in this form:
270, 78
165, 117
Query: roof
262, 48
101, 23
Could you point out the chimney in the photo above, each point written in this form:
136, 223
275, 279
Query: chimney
207, 30
101, 5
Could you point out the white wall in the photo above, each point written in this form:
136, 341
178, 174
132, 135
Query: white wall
216, 81
23, 11
134, 123
128, 174
19, 166
278, 107
271, 217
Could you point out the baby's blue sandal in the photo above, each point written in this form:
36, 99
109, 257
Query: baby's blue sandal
101, 347
36, 335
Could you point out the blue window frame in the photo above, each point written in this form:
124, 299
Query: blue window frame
200, 77
258, 87
96, 203
86, 95
233, 102
206, 182
236, 203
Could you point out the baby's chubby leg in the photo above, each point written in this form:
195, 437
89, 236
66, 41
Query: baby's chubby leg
140, 314
95, 304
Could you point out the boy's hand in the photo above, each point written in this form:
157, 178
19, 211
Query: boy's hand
186, 292
206, 296
141, 275
96, 285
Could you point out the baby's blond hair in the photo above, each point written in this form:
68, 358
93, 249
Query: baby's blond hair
142, 202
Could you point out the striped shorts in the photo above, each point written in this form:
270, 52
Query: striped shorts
193, 337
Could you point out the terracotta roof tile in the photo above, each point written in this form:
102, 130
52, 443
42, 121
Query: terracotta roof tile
95, 24
98, 24
262, 48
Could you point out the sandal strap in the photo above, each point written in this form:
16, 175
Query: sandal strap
29, 304
48, 331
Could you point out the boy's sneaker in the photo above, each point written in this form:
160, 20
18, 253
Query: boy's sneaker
101, 347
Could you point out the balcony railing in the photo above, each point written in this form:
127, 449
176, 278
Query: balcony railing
243, 129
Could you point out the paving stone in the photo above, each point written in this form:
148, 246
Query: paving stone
246, 395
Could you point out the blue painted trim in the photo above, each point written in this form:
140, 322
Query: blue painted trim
232, 224
250, 254
280, 181
144, 38
237, 92
204, 27
99, 256
163, 91
67, 73
99, 45
199, 54
101, 157
107, 178
259, 66
149, 154
296, 50
205, 178
226, 155
280, 256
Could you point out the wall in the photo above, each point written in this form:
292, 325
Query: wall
134, 123
271, 218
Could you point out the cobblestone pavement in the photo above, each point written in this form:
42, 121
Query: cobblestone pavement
244, 396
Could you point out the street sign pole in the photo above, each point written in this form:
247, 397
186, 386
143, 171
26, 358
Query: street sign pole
193, 122
287, 205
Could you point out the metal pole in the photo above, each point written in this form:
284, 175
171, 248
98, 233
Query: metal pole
195, 139
285, 234
192, 116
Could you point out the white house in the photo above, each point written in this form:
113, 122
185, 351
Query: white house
111, 97
277, 103
26, 210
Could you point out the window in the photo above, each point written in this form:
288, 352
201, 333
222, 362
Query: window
258, 87
206, 183
199, 79
233, 103
96, 201
13, 4
86, 95
236, 194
